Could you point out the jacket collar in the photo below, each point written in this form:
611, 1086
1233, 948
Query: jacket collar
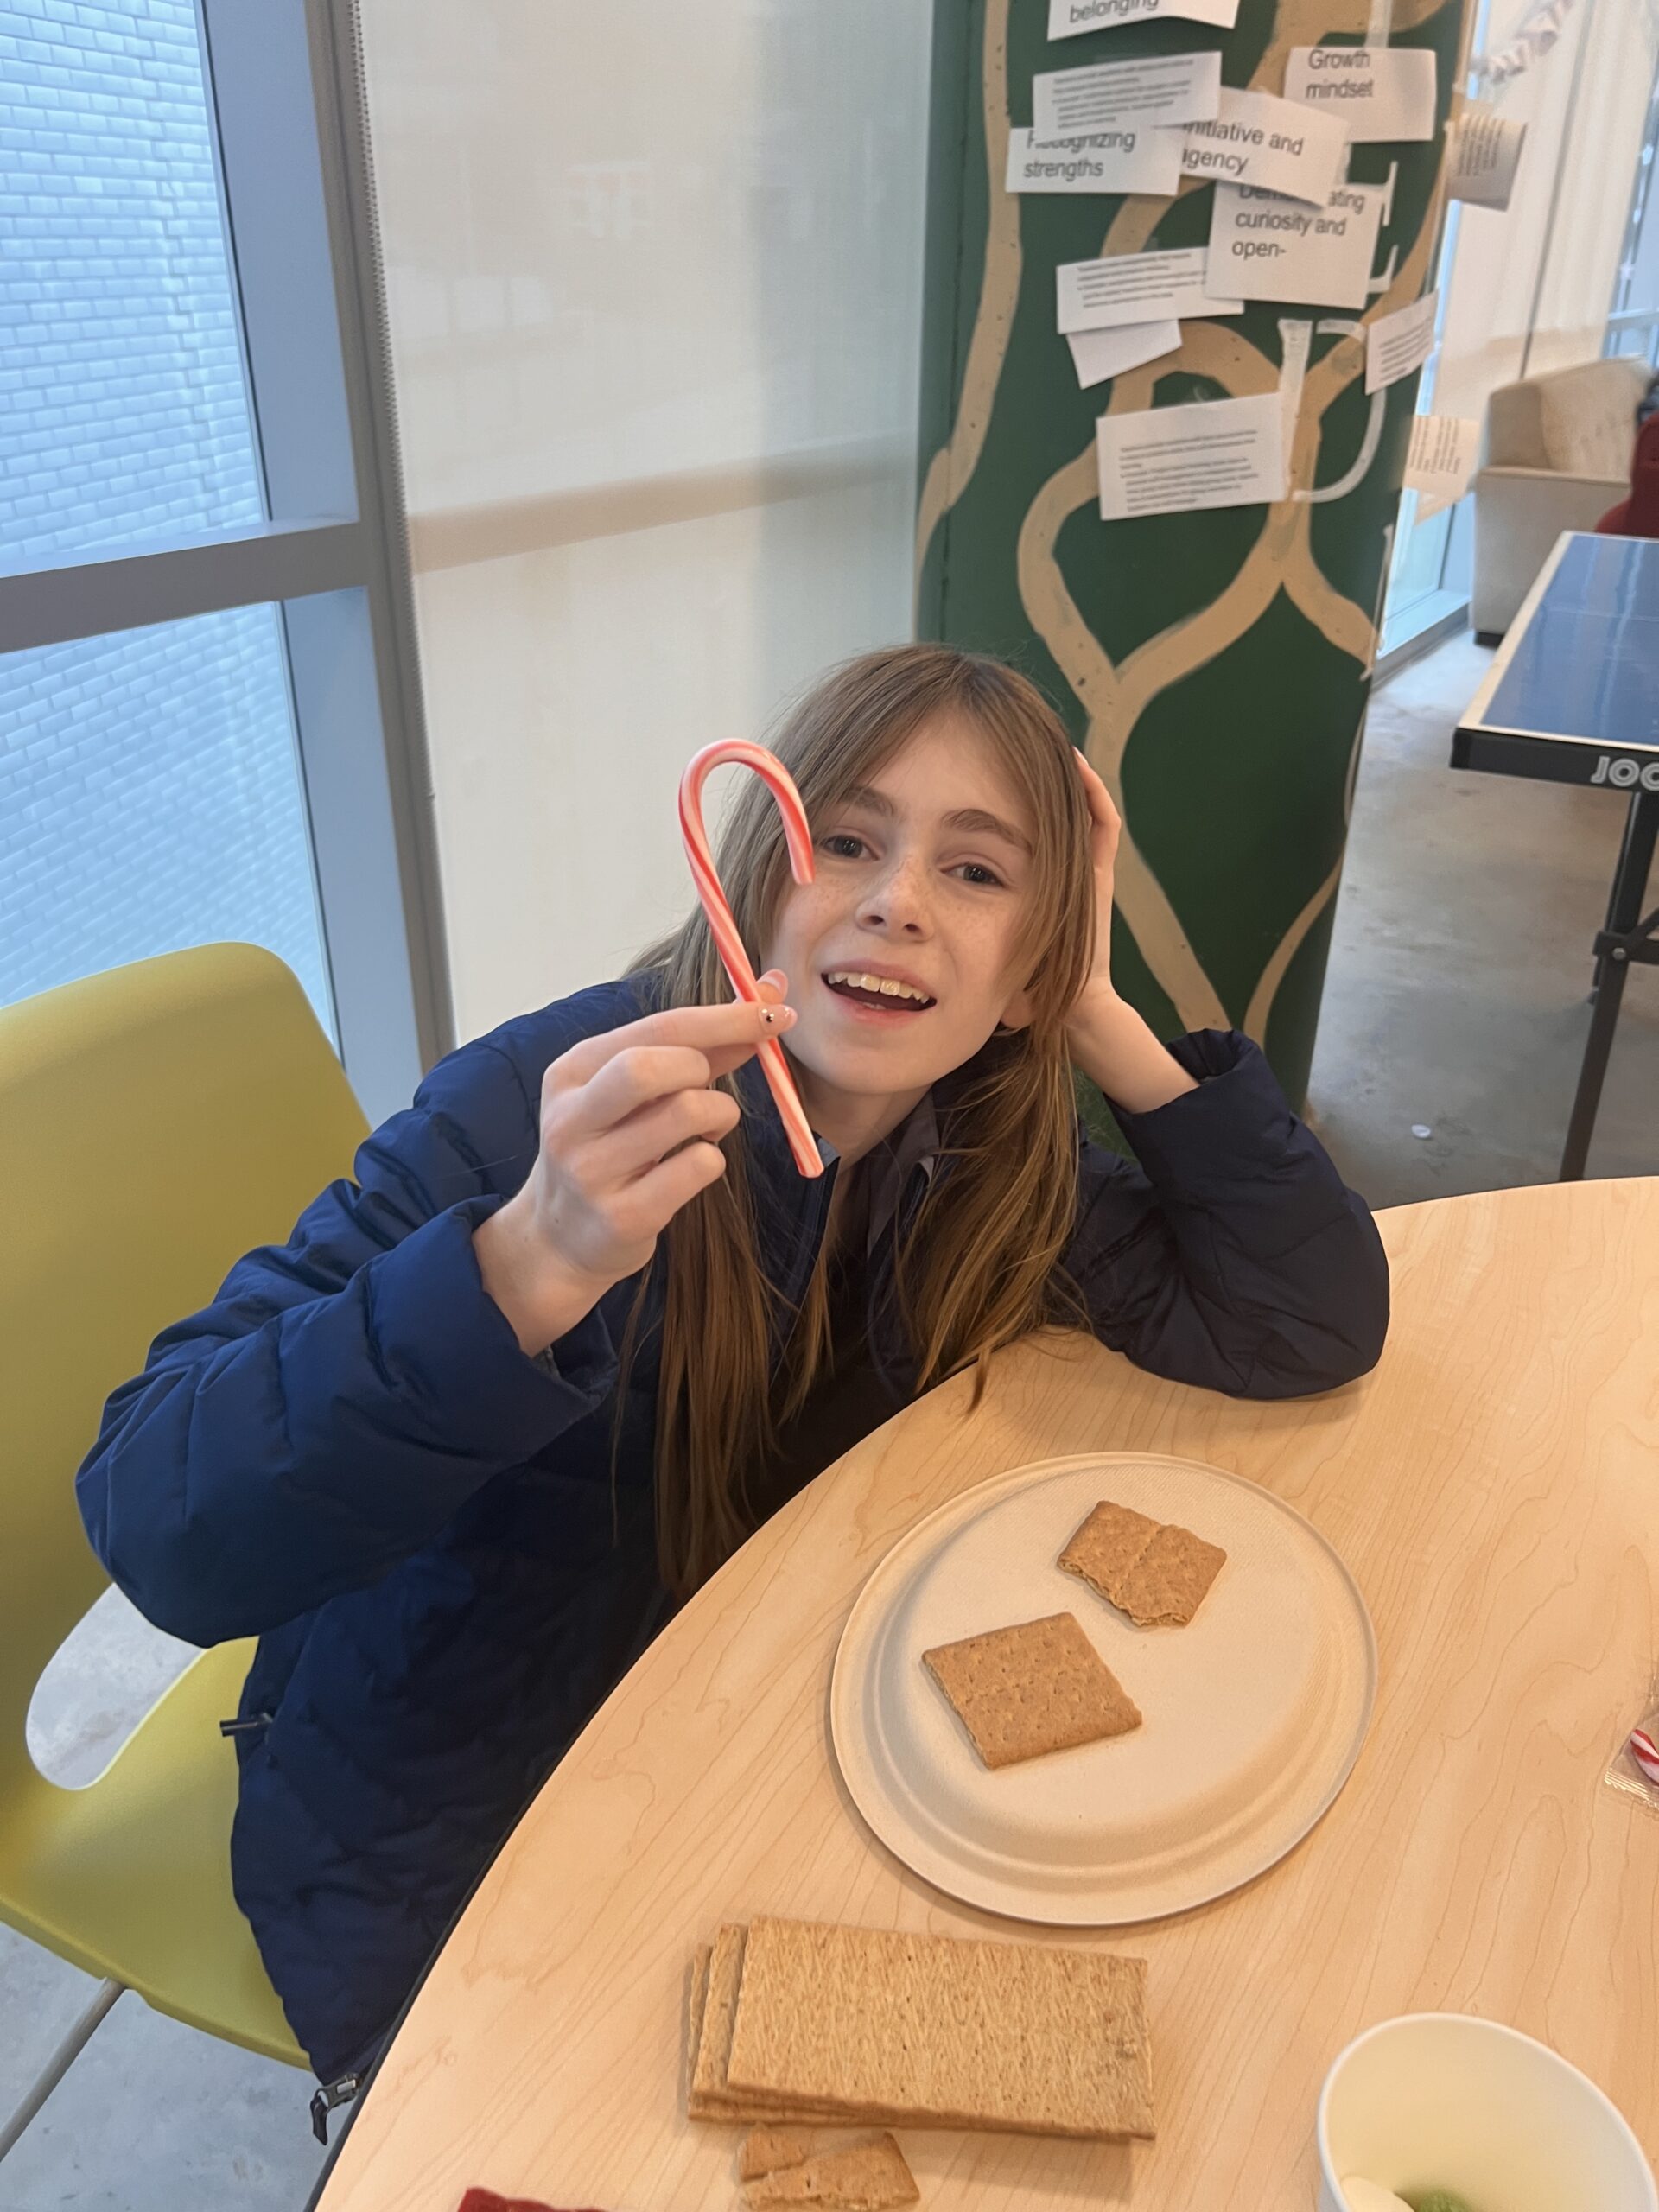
910, 1150
790, 1209
914, 1145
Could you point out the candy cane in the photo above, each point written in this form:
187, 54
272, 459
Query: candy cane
1645, 1753
798, 838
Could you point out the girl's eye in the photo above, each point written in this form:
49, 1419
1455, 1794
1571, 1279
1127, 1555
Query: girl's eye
842, 845
976, 872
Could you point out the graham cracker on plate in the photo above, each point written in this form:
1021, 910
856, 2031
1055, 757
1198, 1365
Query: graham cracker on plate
1038, 1686
1107, 1545
1156, 1571
941, 2031
868, 2176
1169, 1581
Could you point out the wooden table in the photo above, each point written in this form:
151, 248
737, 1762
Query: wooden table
1495, 1488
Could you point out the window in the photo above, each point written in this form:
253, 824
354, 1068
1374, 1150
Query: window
209, 716
149, 798
1633, 324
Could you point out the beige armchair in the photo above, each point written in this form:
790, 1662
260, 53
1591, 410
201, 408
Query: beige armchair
1557, 456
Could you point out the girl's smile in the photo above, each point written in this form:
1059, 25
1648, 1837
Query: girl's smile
878, 992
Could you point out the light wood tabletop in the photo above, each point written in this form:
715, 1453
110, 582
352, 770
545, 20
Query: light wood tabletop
1494, 1487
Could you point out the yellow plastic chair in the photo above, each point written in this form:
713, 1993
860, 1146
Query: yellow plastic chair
155, 1122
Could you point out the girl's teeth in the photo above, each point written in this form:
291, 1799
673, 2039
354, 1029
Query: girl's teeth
885, 986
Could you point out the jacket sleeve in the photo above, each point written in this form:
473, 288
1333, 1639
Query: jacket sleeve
1233, 1256
343, 1394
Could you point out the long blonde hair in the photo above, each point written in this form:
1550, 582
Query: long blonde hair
977, 1267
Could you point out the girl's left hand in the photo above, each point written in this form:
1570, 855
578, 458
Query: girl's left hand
1107, 1039
1106, 827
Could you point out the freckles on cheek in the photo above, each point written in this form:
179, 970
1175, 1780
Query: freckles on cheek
794, 929
988, 957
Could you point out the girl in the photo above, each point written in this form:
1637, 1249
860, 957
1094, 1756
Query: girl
454, 1452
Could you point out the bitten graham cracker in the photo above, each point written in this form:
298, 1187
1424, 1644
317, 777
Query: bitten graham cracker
868, 2176
1156, 1571
944, 2032
1039, 1687
1169, 1581
1107, 1545
767, 2150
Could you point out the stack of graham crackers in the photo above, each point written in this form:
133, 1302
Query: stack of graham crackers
793, 2021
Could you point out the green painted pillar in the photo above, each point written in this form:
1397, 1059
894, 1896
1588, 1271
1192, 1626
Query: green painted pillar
1214, 665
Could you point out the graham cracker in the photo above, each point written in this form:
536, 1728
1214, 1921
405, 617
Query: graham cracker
1107, 1545
717, 1975
1168, 1582
714, 2007
940, 2031
697, 2002
863, 2178
719, 2010
1154, 1571
769, 2150
1039, 1687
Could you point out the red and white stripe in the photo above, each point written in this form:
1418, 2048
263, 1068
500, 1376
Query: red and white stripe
798, 838
1645, 1753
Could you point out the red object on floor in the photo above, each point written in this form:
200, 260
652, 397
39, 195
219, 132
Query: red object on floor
486, 2200
1639, 515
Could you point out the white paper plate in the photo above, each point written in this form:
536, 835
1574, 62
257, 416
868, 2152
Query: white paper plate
1253, 1714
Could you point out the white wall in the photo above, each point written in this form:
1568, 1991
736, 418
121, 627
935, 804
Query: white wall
654, 276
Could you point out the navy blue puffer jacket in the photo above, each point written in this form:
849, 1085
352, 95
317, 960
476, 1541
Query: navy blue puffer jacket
348, 1455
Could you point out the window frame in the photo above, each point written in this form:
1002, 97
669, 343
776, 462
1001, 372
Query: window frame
286, 102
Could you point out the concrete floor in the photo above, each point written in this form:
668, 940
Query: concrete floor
1455, 999
1456, 995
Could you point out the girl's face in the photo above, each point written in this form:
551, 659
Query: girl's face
900, 955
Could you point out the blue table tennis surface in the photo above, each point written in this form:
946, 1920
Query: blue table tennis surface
1586, 665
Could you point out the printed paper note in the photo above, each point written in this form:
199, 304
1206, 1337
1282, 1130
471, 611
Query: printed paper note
1483, 156
1441, 459
1397, 344
1274, 144
1295, 344
1137, 287
1163, 89
1066, 18
1265, 247
1132, 158
1216, 453
1097, 355
1381, 92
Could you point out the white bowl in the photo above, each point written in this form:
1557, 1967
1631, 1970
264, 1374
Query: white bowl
1442, 2100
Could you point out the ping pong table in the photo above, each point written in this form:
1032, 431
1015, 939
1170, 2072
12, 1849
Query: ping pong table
1572, 697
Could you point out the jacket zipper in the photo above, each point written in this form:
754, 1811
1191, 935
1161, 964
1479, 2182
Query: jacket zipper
811, 1244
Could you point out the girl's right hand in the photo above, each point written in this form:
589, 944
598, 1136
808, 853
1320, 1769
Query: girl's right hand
630, 1132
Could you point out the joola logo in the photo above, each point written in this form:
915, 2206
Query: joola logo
1620, 769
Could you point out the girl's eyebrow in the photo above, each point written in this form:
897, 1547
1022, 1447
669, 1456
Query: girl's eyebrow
974, 819
871, 801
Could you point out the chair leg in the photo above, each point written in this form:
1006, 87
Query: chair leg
58, 2064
